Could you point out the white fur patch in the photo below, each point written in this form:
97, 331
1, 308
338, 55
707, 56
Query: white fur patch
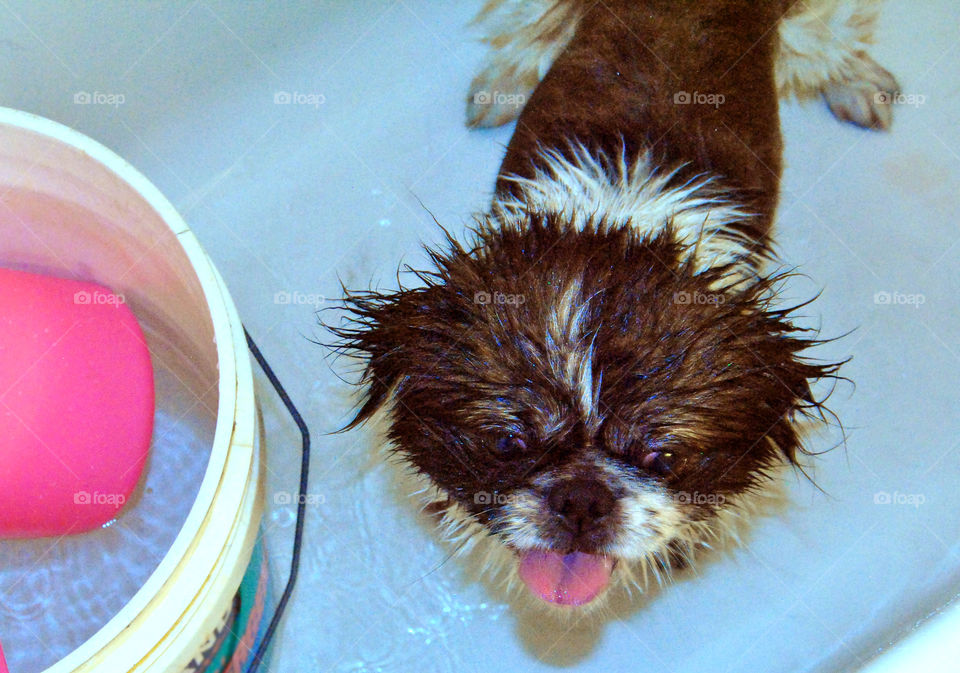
652, 518
521, 512
570, 350
823, 42
590, 188
526, 36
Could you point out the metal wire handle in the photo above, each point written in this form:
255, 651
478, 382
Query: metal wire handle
301, 502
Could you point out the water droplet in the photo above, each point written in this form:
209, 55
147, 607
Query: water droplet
283, 517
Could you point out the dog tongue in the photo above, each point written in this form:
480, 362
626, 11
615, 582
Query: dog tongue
570, 579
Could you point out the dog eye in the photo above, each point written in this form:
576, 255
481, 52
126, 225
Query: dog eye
657, 462
506, 445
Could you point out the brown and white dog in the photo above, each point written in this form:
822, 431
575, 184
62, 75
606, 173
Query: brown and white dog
598, 383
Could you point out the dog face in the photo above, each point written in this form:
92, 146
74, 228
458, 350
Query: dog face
586, 394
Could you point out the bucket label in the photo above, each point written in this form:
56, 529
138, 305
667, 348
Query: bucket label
230, 647
213, 649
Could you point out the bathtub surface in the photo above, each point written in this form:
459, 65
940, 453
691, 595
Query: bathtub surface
309, 143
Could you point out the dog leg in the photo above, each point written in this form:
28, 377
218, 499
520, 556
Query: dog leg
823, 47
525, 36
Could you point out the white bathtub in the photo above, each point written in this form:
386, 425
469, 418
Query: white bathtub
287, 196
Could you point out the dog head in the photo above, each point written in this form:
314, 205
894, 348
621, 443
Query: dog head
588, 395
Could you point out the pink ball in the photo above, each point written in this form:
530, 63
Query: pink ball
76, 405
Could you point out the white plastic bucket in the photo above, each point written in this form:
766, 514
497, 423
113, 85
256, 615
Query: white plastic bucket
132, 240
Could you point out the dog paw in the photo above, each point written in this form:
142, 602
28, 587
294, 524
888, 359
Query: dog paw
497, 95
525, 37
865, 98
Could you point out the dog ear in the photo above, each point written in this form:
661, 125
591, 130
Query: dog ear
386, 331
784, 390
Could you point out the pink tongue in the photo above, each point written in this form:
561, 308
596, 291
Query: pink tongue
571, 579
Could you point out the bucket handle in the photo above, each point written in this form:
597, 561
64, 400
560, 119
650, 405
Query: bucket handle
301, 502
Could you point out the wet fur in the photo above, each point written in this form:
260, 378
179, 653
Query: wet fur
611, 309
619, 367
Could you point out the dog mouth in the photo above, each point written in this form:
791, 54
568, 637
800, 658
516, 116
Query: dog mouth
572, 579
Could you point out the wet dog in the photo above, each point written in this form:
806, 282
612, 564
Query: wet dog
602, 378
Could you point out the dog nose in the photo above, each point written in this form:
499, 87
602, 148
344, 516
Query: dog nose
580, 503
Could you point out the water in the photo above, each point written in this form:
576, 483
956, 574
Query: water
57, 592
